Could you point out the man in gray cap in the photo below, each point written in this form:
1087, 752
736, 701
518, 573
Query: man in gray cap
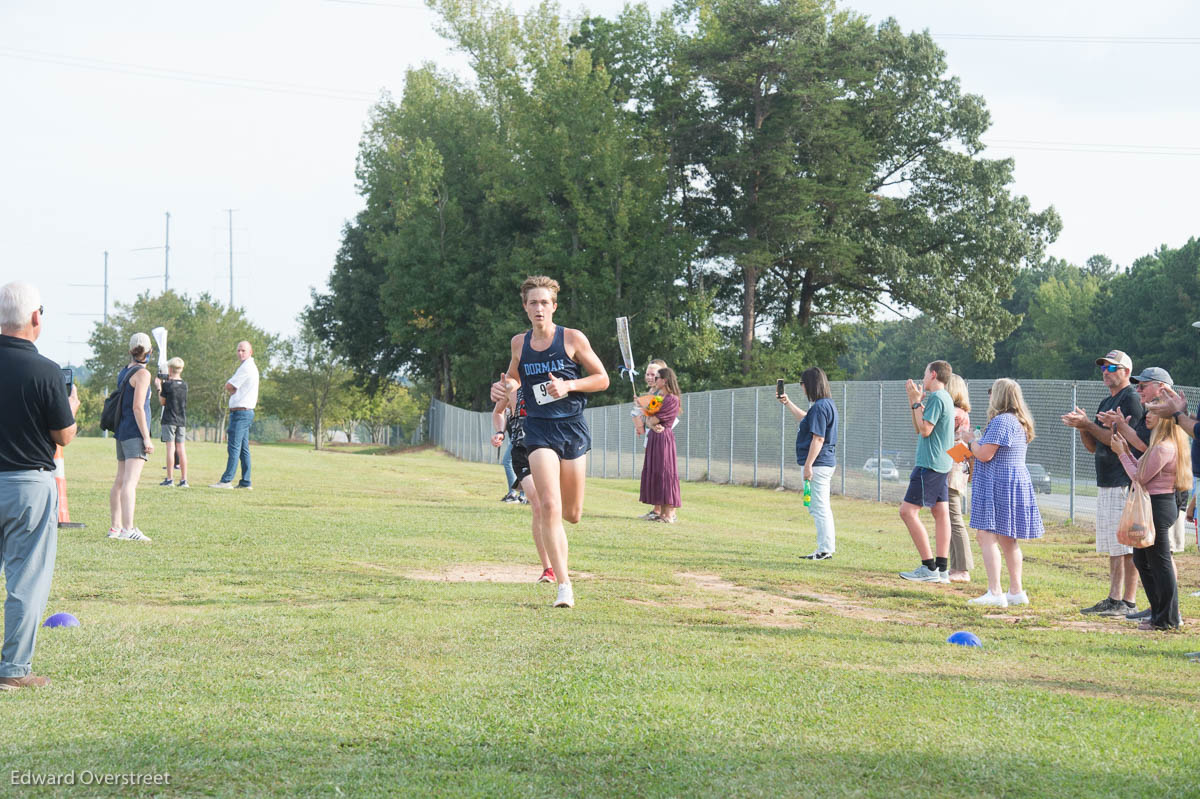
1112, 484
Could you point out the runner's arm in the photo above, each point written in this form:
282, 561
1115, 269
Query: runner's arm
579, 349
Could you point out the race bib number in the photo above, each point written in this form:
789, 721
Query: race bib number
541, 393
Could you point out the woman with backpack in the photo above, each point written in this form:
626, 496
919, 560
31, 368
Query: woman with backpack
134, 444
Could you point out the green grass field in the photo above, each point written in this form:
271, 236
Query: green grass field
290, 642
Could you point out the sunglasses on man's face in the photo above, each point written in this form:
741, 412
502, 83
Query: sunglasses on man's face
1109, 367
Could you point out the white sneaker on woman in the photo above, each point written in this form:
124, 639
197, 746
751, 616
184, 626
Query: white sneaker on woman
134, 534
566, 596
989, 600
1017, 599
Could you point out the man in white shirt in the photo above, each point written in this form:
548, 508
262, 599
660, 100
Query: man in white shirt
243, 396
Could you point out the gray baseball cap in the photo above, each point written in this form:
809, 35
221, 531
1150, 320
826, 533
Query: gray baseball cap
1153, 374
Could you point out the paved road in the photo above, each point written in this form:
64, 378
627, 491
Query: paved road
1059, 506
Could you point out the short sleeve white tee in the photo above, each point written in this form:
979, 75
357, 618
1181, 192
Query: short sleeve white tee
245, 383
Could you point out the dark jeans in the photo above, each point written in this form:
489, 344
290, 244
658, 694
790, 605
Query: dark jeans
239, 446
1154, 564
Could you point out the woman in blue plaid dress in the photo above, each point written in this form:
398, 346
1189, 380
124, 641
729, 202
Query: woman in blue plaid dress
1004, 509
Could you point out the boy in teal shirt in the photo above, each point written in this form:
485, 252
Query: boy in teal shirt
933, 419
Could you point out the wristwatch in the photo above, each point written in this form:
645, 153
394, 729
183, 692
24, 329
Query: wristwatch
916, 405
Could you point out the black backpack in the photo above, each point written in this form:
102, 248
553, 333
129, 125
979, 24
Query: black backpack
110, 415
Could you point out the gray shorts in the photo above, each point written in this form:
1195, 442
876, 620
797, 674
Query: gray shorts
131, 448
172, 432
1109, 504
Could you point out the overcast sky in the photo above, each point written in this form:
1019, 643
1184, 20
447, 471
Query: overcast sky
115, 113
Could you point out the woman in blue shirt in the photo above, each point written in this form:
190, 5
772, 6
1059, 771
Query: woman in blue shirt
816, 451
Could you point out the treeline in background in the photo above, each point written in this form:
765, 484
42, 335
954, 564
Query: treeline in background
759, 186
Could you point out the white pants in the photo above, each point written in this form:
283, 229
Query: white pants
819, 509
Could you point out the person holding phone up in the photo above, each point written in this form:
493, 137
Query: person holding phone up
816, 452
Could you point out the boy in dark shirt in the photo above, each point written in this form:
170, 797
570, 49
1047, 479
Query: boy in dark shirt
172, 395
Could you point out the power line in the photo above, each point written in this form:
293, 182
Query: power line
221, 81
383, 5
1187, 41
1086, 147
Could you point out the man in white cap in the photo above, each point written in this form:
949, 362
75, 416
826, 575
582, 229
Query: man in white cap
1112, 484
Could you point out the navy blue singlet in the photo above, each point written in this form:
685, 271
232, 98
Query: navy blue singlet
535, 368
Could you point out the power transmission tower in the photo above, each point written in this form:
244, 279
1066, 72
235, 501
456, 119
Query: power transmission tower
103, 285
166, 248
230, 212
167, 256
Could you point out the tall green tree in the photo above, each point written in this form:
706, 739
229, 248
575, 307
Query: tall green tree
1148, 312
843, 166
313, 377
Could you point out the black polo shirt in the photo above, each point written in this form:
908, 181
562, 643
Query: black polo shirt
33, 401
1109, 471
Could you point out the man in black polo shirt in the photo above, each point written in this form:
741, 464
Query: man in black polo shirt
35, 415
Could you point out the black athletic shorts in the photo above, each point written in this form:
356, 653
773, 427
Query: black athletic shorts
569, 437
520, 465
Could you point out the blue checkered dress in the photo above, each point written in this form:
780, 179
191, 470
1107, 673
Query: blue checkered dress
1002, 498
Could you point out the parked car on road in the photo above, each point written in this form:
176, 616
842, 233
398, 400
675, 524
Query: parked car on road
1040, 478
887, 469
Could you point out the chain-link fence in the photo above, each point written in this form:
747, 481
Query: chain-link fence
746, 436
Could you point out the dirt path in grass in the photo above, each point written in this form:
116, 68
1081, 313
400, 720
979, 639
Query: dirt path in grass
790, 605
789, 609
482, 573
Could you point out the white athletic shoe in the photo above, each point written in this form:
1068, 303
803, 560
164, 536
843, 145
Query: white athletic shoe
566, 596
1017, 599
989, 600
134, 534
114, 532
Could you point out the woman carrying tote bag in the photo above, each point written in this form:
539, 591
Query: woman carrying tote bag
1165, 467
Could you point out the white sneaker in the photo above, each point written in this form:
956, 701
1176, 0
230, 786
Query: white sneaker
566, 596
134, 534
221, 485
113, 532
1017, 599
989, 600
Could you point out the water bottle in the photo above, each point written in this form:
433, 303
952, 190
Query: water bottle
807, 493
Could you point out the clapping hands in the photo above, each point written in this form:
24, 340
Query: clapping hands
915, 391
1168, 403
1076, 418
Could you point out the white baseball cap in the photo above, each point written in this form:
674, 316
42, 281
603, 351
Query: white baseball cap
1117, 358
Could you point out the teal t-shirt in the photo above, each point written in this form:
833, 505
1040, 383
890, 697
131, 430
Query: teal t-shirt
931, 449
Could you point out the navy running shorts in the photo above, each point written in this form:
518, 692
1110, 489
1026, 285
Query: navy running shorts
927, 487
569, 437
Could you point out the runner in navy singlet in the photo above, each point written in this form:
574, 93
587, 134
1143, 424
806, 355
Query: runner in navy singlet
550, 363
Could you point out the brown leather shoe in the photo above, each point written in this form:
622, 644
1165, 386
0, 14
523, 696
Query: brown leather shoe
28, 681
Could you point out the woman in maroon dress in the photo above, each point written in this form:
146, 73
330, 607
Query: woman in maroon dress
660, 473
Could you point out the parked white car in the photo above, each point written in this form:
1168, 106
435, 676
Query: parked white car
887, 470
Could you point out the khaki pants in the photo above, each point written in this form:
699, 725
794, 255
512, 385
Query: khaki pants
960, 538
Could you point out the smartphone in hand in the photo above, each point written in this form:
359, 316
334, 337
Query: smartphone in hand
778, 388
68, 377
